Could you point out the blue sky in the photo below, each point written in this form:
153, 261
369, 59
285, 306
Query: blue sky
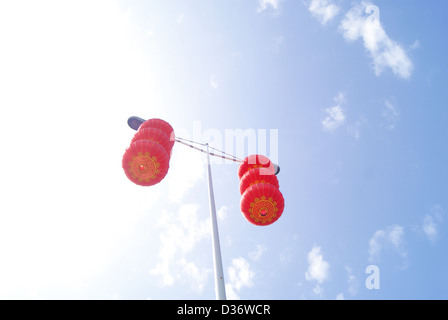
350, 102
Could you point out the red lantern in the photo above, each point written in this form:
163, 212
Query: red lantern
256, 161
145, 162
155, 135
162, 125
262, 204
254, 176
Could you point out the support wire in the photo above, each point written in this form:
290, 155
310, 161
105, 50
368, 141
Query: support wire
223, 154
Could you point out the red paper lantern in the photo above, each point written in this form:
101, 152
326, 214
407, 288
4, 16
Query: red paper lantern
155, 135
256, 161
262, 204
145, 162
254, 176
162, 125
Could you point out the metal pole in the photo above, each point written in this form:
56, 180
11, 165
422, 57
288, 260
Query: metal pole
220, 290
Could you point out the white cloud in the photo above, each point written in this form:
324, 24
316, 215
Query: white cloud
318, 290
285, 256
240, 276
196, 277
163, 269
415, 45
375, 244
335, 118
385, 52
352, 281
323, 10
213, 83
391, 238
431, 222
340, 98
180, 235
257, 253
222, 213
391, 115
231, 293
430, 227
353, 129
395, 235
264, 4
340, 296
335, 115
318, 268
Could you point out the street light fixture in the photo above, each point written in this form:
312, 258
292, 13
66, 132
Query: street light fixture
220, 292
